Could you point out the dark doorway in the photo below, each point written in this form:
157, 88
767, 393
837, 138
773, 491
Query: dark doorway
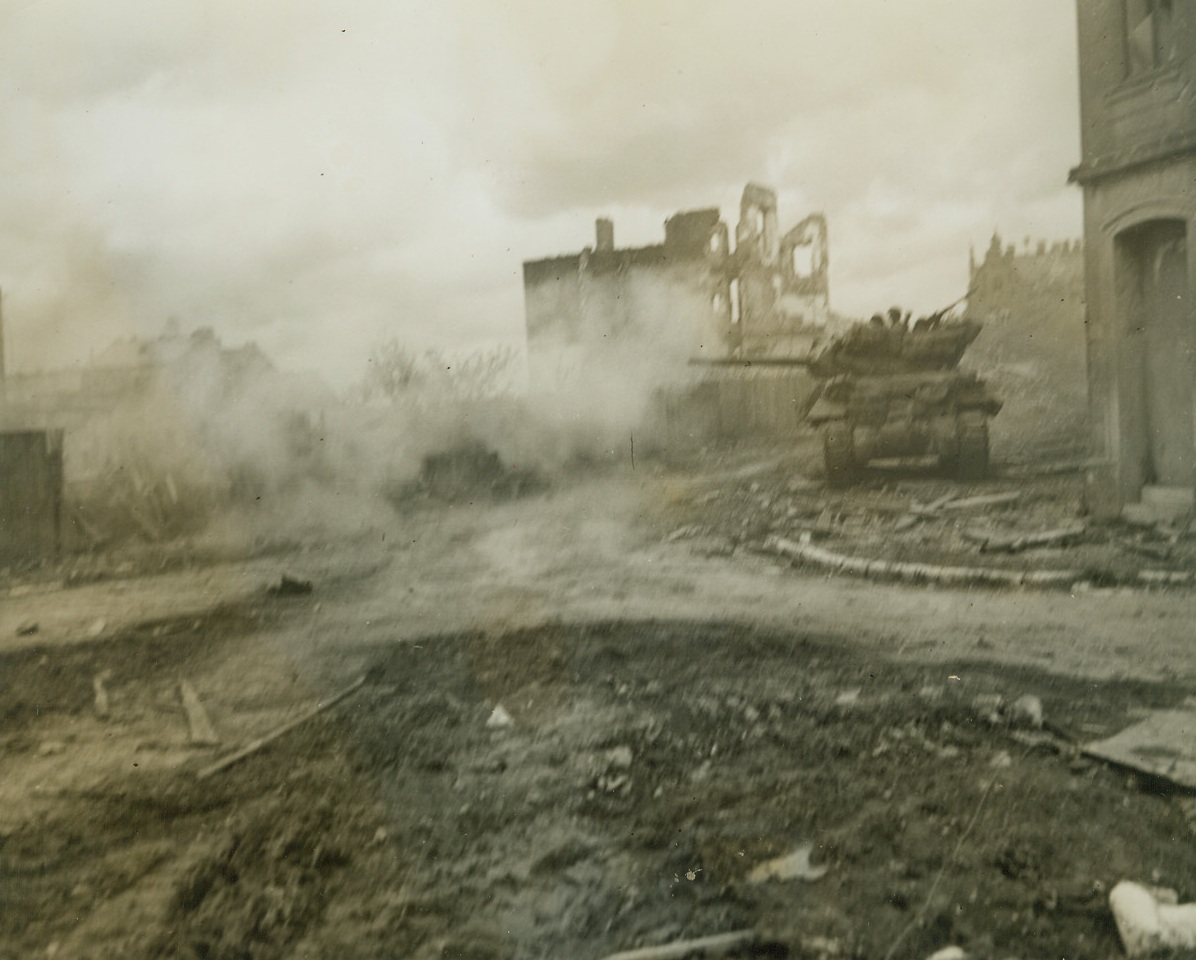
1159, 315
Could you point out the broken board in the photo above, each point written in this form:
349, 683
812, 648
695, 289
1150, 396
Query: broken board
1162, 745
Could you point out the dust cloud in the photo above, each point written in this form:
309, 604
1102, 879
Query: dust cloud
183, 437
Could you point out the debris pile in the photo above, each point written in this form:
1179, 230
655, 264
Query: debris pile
472, 469
1020, 528
649, 790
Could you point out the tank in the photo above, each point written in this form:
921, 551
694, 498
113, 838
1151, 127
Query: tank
894, 390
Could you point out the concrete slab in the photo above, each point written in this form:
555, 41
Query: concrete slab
1162, 745
1160, 505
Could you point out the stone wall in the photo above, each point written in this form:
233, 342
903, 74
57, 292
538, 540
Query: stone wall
1030, 298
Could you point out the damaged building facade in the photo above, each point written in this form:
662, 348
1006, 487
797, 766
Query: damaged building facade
698, 296
1138, 175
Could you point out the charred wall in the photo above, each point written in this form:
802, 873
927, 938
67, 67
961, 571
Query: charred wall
31, 495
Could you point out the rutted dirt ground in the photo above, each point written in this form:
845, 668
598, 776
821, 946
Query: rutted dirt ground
679, 715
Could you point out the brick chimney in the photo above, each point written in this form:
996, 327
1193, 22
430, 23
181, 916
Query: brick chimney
605, 239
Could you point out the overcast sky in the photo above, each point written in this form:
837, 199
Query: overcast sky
317, 175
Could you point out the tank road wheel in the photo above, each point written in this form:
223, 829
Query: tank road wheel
971, 458
837, 454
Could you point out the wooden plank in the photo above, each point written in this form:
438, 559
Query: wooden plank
1019, 542
988, 500
702, 947
101, 693
918, 572
252, 748
202, 732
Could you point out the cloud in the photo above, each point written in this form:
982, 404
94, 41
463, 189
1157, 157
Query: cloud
318, 174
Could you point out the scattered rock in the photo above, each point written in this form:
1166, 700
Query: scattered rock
381, 835
97, 628
948, 953
290, 586
1147, 924
1026, 712
499, 719
822, 946
1001, 761
27, 628
793, 866
848, 698
619, 758
101, 693
51, 748
988, 706
199, 724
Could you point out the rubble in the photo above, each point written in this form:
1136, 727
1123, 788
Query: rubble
714, 946
919, 572
101, 693
261, 742
792, 866
949, 953
893, 526
472, 469
1016, 543
1025, 711
506, 828
290, 586
1151, 921
199, 725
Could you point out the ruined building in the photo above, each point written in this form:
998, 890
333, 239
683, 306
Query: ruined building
696, 296
693, 295
1138, 174
1030, 300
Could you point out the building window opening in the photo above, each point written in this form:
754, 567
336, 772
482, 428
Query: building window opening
1150, 34
803, 261
735, 306
716, 243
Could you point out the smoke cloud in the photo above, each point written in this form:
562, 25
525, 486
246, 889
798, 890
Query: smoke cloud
316, 176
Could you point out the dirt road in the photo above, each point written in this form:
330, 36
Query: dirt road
599, 551
401, 822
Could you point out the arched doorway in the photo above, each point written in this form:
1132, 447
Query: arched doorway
1157, 309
